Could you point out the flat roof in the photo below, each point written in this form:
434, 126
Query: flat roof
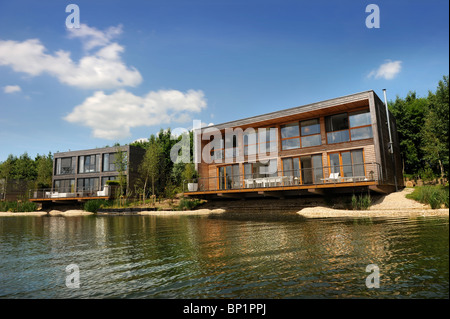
112, 149
296, 110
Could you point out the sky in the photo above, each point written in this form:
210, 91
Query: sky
131, 68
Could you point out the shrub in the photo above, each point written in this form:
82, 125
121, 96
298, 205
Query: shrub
94, 205
188, 204
435, 196
17, 206
361, 202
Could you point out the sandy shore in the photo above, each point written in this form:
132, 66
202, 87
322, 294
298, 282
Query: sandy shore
324, 212
184, 212
392, 205
73, 212
5, 214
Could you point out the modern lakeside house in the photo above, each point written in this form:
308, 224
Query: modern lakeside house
79, 175
344, 144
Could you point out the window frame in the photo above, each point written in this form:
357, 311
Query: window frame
350, 128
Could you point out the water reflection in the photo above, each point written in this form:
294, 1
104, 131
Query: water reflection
222, 257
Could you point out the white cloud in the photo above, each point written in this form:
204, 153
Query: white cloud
140, 140
91, 37
103, 69
11, 89
387, 70
112, 116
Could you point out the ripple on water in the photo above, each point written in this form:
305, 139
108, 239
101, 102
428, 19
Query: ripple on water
189, 257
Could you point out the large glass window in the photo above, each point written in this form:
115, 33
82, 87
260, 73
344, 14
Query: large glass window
217, 149
337, 128
360, 125
261, 141
348, 127
347, 163
89, 164
65, 166
290, 136
291, 168
65, 186
268, 134
229, 177
231, 146
310, 131
109, 162
88, 184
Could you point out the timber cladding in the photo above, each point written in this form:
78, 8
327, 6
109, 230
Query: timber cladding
375, 148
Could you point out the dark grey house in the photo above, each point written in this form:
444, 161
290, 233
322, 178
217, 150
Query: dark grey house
84, 173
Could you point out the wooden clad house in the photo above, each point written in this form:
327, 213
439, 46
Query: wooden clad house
337, 145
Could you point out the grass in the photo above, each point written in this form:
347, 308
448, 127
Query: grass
361, 202
18, 206
188, 204
435, 196
94, 205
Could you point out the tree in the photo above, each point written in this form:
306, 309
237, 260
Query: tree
44, 167
150, 168
435, 129
409, 114
120, 163
6, 171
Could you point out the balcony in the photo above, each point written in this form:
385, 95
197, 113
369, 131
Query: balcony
70, 193
351, 175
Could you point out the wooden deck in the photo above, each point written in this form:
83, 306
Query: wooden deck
66, 199
279, 191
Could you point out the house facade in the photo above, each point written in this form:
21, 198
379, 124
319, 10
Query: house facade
84, 173
343, 144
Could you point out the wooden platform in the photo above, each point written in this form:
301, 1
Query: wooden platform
280, 191
66, 199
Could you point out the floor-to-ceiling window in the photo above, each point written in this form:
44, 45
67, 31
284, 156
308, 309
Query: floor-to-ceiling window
229, 177
304, 169
89, 163
347, 163
65, 186
65, 166
88, 184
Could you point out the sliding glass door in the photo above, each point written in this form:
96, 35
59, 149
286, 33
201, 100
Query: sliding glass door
304, 169
347, 163
229, 177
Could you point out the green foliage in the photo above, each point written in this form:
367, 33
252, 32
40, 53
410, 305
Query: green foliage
17, 206
435, 196
361, 202
422, 127
189, 172
189, 204
409, 114
44, 168
95, 204
435, 132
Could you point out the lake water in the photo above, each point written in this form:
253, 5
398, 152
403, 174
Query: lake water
240, 256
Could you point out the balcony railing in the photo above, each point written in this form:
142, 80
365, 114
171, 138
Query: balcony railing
70, 192
337, 175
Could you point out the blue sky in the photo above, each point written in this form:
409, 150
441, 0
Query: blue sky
134, 67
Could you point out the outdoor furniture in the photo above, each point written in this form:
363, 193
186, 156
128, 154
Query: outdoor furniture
249, 183
334, 177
